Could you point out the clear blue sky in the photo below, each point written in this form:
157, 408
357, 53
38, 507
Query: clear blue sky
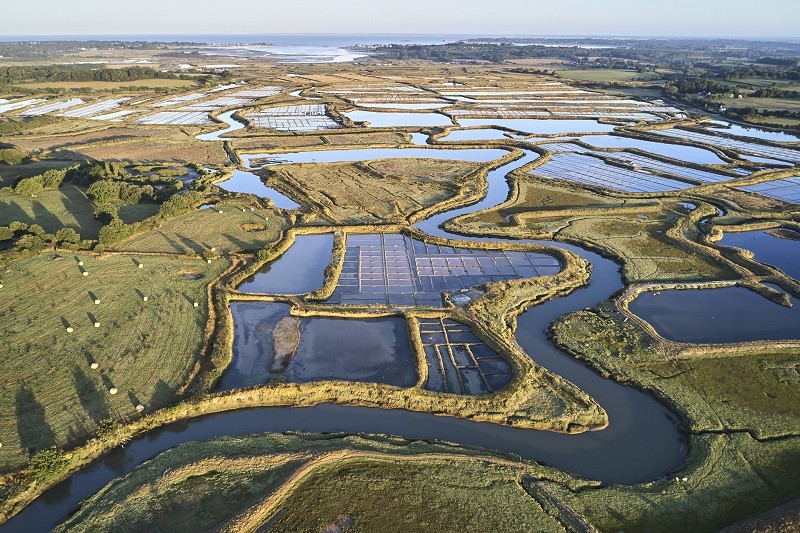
763, 18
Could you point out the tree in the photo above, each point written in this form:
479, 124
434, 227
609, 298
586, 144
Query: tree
28, 187
67, 235
103, 191
113, 232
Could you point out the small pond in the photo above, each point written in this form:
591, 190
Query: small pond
481, 134
717, 316
378, 119
779, 248
249, 183
301, 269
374, 350
680, 152
540, 126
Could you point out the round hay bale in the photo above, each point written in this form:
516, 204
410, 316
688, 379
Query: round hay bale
140, 408
94, 366
195, 304
69, 329
213, 248
97, 324
144, 298
141, 265
85, 273
96, 301
208, 261
113, 390
80, 263
1, 285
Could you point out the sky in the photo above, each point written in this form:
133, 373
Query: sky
699, 18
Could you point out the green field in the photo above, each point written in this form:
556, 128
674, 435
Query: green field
9, 174
146, 350
229, 231
318, 482
607, 75
66, 206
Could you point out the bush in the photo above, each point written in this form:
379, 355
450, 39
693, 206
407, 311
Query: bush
48, 463
113, 232
11, 155
28, 187
68, 236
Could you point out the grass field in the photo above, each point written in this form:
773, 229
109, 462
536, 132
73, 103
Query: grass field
648, 256
607, 75
229, 231
9, 174
381, 191
66, 206
146, 350
316, 482
107, 85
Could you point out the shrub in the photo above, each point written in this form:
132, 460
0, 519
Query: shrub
113, 232
48, 463
67, 235
29, 187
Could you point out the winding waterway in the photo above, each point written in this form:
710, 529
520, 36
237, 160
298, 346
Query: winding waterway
641, 442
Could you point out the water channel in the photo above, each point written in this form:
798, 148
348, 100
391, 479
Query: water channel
641, 442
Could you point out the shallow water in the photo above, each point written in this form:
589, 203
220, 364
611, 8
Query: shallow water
478, 155
540, 126
301, 269
379, 119
431, 105
482, 134
247, 182
374, 350
680, 152
756, 133
226, 118
717, 316
781, 253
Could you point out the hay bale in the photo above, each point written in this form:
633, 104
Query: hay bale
113, 390
80, 263
85, 273
94, 366
1, 285
97, 324
208, 261
144, 298
141, 265
195, 304
140, 408
69, 329
96, 301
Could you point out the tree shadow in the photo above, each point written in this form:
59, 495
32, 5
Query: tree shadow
34, 432
92, 399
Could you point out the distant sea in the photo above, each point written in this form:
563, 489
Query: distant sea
283, 39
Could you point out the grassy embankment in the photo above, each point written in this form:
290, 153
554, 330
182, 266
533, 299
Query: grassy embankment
300, 483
